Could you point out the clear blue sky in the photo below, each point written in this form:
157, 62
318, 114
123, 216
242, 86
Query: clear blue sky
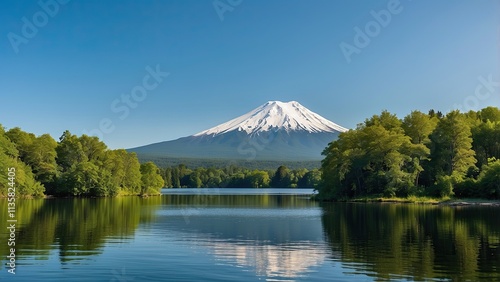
84, 56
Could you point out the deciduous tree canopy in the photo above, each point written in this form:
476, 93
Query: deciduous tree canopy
74, 166
422, 154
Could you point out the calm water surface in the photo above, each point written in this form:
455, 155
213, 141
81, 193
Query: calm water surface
248, 235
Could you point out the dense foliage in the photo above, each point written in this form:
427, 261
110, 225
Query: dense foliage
238, 177
74, 166
162, 161
422, 154
416, 242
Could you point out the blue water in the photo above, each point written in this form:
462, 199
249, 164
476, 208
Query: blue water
237, 191
245, 235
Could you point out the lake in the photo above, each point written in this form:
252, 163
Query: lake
248, 235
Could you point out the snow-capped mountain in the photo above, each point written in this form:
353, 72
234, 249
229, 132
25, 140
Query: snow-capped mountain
273, 131
276, 115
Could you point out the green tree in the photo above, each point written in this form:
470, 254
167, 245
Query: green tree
489, 179
486, 141
390, 169
433, 113
167, 177
8, 155
259, 179
452, 152
491, 114
176, 179
80, 179
69, 151
375, 158
239, 180
124, 169
193, 180
41, 157
281, 178
36, 152
343, 167
214, 178
22, 141
25, 183
386, 120
7, 147
90, 169
151, 179
310, 180
418, 126
94, 149
133, 178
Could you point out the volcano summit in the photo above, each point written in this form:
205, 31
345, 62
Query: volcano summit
273, 131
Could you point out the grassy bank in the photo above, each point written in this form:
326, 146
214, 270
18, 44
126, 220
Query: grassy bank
445, 201
409, 200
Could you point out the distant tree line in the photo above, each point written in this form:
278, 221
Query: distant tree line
74, 166
422, 154
164, 161
239, 177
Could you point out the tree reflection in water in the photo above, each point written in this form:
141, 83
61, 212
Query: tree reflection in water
415, 241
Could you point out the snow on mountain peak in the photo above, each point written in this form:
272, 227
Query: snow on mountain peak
274, 115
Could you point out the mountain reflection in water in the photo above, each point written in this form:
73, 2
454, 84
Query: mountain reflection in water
202, 236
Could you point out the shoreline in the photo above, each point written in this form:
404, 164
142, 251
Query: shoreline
471, 202
51, 197
450, 202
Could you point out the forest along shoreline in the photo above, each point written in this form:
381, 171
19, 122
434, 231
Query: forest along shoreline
423, 158
423, 201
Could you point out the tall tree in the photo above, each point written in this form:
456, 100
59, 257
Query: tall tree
80, 179
7, 147
418, 126
375, 158
486, 141
22, 141
41, 157
259, 179
167, 177
93, 148
452, 152
489, 179
69, 151
281, 178
490, 113
132, 181
310, 180
24, 182
176, 179
151, 179
386, 120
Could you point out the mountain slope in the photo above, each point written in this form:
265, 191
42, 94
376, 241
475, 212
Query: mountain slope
290, 116
273, 131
